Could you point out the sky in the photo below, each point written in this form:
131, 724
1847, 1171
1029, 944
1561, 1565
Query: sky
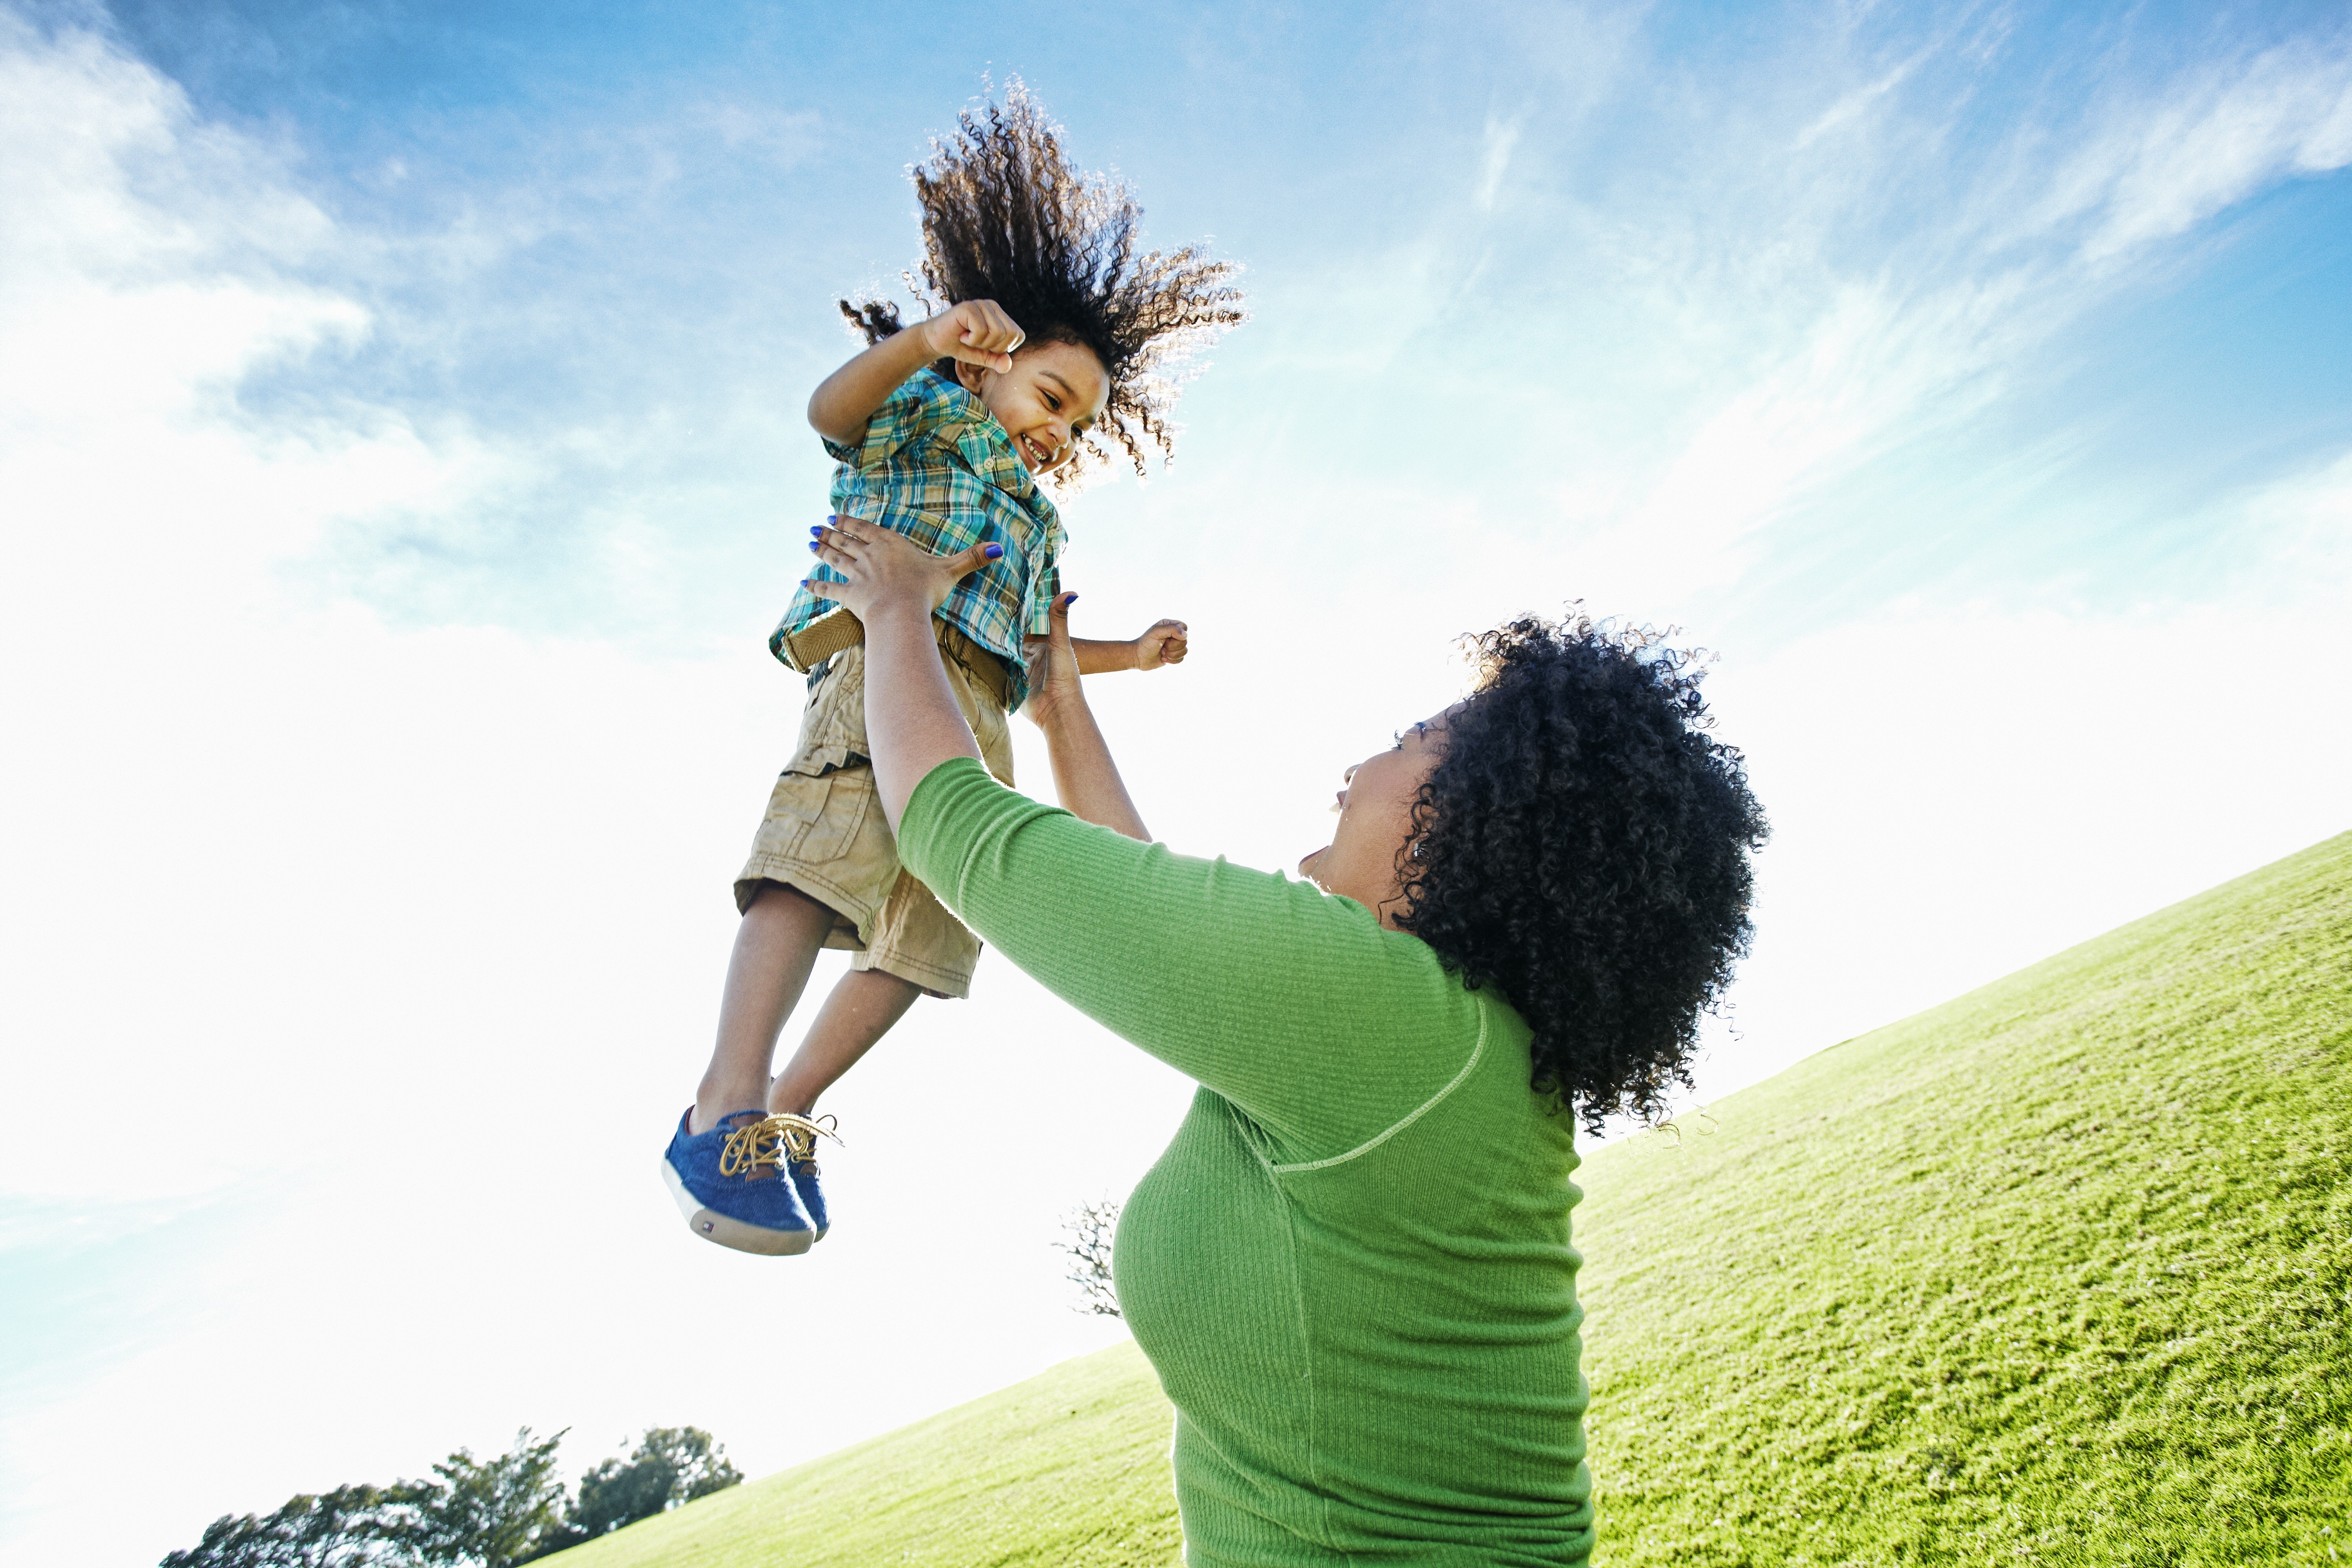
401, 462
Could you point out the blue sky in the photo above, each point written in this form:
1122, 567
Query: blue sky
401, 410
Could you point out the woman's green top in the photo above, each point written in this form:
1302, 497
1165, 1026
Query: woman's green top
1351, 1268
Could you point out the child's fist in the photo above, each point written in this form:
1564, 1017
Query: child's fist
1163, 644
976, 333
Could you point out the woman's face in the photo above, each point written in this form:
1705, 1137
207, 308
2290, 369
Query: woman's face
1375, 810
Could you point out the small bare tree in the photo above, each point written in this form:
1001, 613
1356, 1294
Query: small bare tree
1091, 1228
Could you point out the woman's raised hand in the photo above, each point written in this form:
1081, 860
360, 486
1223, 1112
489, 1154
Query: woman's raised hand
886, 570
1053, 667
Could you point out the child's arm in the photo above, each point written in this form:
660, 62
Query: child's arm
1163, 644
975, 331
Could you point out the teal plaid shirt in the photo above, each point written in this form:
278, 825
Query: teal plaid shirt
937, 467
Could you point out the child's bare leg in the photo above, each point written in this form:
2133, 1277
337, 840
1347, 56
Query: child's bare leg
860, 1011
775, 948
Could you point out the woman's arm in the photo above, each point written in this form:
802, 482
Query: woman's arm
975, 331
1085, 776
1299, 1008
895, 585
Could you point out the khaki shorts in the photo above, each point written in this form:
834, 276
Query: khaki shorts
825, 833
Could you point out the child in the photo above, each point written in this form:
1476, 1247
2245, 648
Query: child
1049, 328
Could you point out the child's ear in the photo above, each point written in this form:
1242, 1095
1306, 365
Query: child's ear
970, 375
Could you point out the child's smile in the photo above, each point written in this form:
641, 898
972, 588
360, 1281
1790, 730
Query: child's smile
1052, 396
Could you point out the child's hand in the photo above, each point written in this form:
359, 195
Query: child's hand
976, 333
1163, 644
886, 569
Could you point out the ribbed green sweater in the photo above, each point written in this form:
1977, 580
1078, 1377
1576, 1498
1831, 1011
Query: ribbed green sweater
1351, 1268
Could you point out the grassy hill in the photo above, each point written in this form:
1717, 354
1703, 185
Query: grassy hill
1070, 1466
2060, 1271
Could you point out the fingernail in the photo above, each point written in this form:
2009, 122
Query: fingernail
1069, 598
994, 551
813, 544
817, 528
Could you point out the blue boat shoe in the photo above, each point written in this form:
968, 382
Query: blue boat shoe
730, 1183
800, 1142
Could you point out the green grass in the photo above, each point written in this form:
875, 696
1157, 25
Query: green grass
1070, 1466
2058, 1272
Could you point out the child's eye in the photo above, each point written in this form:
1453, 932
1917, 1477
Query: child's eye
1053, 402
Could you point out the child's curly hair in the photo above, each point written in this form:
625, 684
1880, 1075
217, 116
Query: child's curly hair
1005, 217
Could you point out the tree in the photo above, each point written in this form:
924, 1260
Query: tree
479, 1513
672, 1464
350, 1527
1092, 1227
492, 1512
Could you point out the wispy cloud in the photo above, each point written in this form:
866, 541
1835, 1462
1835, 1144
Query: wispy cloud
1495, 157
2158, 163
1864, 293
1855, 104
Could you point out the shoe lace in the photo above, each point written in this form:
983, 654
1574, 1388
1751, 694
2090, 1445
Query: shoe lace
771, 1141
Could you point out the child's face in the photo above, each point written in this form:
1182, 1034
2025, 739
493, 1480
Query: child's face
1051, 396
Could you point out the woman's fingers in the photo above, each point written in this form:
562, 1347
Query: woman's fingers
850, 543
834, 542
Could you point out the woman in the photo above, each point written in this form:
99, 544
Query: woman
1351, 1268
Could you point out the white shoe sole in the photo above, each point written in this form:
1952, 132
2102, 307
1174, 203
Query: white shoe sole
711, 1226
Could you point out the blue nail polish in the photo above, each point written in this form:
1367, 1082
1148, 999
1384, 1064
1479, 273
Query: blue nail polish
994, 551
1072, 599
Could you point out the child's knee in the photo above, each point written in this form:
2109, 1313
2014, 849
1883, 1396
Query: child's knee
767, 900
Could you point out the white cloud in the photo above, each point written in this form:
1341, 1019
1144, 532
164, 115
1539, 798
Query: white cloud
2158, 167
1830, 320
1855, 105
1495, 157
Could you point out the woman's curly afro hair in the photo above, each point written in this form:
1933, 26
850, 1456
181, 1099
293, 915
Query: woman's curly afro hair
1005, 217
1582, 843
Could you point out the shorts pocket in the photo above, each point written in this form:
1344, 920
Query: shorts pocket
830, 810
833, 718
